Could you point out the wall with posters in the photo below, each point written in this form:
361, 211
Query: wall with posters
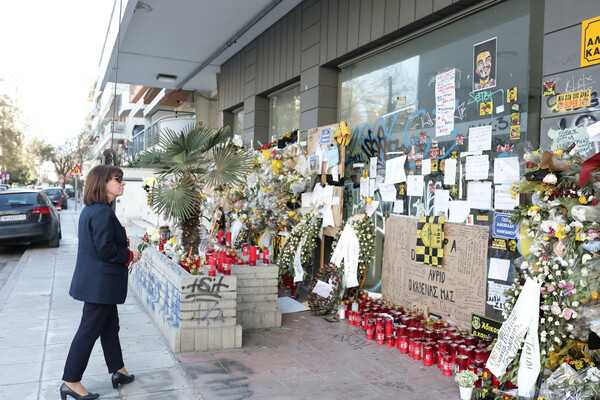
571, 84
456, 103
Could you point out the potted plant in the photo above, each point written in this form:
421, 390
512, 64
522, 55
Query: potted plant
466, 381
187, 162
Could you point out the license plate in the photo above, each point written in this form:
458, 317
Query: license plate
19, 217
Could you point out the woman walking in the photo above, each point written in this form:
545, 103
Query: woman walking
100, 281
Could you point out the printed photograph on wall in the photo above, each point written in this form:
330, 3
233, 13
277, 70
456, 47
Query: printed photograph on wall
484, 65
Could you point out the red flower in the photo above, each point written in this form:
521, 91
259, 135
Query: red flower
529, 164
594, 202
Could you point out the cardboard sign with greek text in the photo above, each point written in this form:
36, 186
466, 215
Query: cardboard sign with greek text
453, 291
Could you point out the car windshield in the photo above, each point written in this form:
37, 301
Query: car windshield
52, 191
10, 200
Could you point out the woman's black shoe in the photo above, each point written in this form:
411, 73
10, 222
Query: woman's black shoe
118, 377
65, 390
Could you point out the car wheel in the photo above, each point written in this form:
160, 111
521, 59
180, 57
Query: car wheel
60, 233
55, 241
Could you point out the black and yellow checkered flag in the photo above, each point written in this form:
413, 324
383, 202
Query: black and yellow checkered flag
430, 241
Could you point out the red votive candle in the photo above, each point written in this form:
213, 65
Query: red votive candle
462, 362
380, 334
220, 236
417, 349
358, 318
226, 266
390, 341
253, 255
403, 344
228, 239
265, 256
245, 249
411, 347
441, 359
350, 317
447, 365
389, 326
428, 356
370, 328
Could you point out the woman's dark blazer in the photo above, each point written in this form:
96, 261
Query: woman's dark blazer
102, 257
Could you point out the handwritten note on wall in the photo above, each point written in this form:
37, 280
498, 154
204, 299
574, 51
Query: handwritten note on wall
454, 291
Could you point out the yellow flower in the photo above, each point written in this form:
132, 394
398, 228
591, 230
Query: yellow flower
534, 208
558, 153
369, 200
174, 239
291, 213
296, 217
546, 238
578, 238
582, 200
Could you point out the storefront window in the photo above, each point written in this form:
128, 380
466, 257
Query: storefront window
390, 103
238, 122
284, 112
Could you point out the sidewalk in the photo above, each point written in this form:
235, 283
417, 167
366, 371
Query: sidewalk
307, 358
38, 320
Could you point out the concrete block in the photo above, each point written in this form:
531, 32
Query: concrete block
214, 338
201, 341
256, 290
238, 336
228, 337
220, 323
261, 282
188, 340
250, 298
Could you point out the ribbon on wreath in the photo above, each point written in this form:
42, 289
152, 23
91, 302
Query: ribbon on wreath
520, 328
348, 251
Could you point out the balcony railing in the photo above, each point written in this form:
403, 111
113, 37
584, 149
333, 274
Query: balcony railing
148, 138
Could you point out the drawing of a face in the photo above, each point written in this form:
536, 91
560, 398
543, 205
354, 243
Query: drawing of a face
484, 65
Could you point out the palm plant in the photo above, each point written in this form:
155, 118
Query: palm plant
188, 161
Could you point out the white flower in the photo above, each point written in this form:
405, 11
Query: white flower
575, 304
586, 258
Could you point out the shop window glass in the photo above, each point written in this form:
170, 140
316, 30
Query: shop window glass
284, 112
238, 122
389, 103
389, 99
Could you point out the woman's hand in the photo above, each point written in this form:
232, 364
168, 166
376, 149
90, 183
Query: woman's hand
136, 256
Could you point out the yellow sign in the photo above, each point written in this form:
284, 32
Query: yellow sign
568, 101
590, 42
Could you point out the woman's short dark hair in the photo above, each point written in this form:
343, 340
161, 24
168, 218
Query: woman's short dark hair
95, 183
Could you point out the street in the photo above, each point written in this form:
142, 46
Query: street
10, 255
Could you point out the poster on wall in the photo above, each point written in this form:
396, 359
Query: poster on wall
484, 65
454, 291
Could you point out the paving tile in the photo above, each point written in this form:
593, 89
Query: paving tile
19, 355
148, 360
246, 390
22, 339
209, 374
156, 381
94, 384
20, 373
20, 391
199, 357
173, 394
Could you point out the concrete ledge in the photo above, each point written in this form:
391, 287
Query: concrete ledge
193, 312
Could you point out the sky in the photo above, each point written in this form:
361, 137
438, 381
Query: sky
49, 60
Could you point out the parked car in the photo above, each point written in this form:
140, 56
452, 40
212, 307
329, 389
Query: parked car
4, 187
70, 192
58, 194
28, 216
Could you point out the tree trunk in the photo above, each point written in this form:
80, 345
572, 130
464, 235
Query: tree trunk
190, 233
